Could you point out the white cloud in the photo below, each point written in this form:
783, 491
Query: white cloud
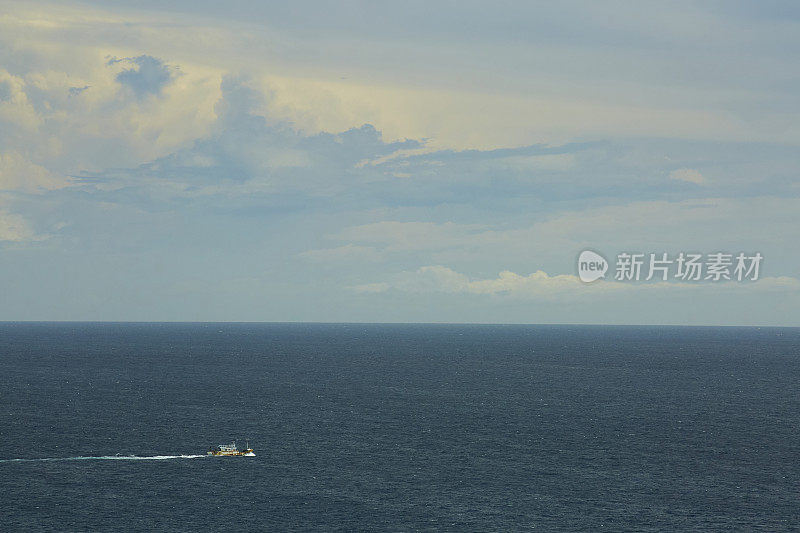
19, 174
14, 228
437, 278
539, 284
66, 110
17, 113
688, 174
372, 288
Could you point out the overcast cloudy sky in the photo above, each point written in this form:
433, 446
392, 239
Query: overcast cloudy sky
415, 161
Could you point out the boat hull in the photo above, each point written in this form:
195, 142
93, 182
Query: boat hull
238, 453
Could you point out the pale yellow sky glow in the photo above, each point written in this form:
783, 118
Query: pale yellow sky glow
340, 92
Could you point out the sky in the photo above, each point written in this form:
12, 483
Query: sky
360, 161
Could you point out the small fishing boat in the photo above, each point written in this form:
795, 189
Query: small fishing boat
232, 450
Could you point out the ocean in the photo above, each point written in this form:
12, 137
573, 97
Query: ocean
356, 427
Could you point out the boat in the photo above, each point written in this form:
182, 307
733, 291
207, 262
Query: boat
232, 450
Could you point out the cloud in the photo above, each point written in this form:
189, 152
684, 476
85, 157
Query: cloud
688, 174
70, 115
14, 228
271, 122
372, 288
17, 112
441, 279
543, 86
438, 278
705, 224
19, 174
147, 75
539, 284
401, 153
5, 91
248, 154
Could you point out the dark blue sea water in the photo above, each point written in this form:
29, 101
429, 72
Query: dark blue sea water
399, 427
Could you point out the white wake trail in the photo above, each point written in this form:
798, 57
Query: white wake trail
105, 458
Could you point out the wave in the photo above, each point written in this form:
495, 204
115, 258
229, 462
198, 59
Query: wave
105, 458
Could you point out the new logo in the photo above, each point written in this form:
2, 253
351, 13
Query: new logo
591, 266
